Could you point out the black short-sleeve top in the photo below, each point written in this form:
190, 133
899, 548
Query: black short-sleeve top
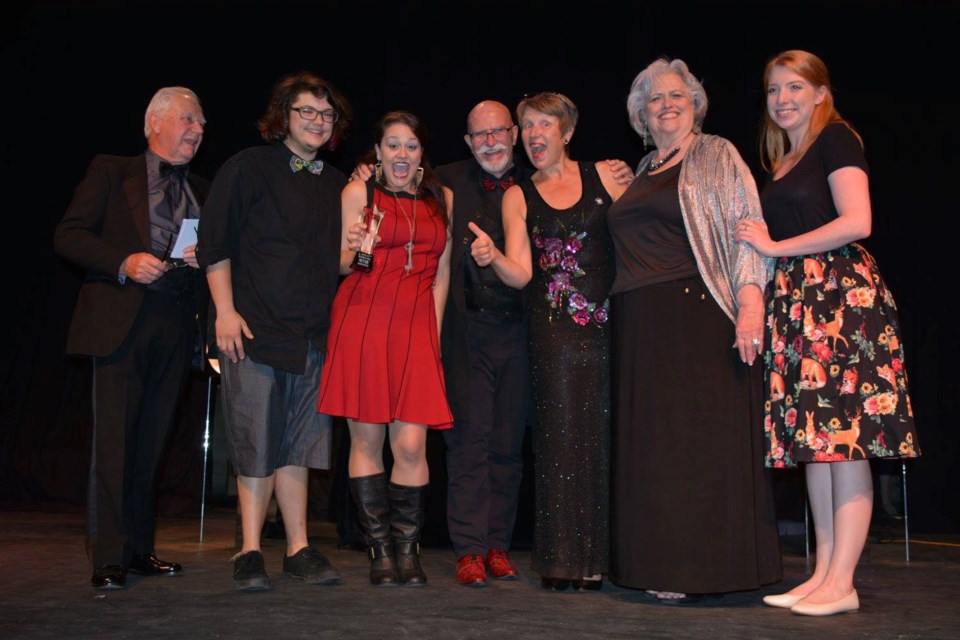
800, 201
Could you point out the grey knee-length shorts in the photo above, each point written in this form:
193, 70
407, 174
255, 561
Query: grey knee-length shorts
271, 417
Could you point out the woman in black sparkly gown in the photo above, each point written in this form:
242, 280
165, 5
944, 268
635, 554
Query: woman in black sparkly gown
556, 231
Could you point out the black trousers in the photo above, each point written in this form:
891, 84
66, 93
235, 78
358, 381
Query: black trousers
484, 455
135, 394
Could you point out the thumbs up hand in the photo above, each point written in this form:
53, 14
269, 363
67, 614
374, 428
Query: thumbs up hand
482, 249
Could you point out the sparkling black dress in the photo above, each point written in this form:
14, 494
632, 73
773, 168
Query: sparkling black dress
570, 367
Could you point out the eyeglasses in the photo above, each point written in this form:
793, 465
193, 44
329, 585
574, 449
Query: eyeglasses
480, 136
309, 113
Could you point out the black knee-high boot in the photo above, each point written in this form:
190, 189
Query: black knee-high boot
407, 507
373, 511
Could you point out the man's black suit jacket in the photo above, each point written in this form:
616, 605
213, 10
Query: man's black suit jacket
107, 220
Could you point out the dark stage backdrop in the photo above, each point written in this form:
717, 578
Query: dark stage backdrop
78, 76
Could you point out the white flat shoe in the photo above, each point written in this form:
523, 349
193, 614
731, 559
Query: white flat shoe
847, 603
782, 601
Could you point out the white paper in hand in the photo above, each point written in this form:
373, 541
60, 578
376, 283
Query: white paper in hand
187, 237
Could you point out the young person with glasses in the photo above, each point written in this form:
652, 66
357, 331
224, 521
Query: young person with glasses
270, 246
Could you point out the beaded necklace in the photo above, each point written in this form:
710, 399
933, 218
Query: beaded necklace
653, 165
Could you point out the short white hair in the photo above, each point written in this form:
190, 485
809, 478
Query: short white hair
643, 84
160, 104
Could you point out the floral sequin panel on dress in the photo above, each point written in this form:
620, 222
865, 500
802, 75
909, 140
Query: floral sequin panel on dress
558, 260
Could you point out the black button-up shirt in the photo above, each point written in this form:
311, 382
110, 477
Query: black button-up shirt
281, 232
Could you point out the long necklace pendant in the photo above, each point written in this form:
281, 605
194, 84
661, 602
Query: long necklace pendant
409, 266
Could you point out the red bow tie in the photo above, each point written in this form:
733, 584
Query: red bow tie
504, 184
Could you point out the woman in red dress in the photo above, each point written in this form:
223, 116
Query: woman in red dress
383, 370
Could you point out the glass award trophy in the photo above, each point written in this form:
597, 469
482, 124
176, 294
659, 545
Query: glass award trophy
370, 217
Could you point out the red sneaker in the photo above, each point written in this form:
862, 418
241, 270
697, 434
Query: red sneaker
500, 565
471, 572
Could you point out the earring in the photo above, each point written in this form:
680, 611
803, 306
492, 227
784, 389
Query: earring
417, 179
378, 172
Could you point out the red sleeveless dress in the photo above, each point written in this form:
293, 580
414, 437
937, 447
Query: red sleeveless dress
383, 349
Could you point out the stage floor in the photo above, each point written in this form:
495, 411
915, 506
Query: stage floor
45, 593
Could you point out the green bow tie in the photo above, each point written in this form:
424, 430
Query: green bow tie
313, 166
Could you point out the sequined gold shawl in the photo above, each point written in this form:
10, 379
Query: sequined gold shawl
716, 190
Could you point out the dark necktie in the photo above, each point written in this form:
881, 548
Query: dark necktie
298, 164
491, 183
171, 209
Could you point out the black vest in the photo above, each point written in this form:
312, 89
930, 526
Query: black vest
482, 288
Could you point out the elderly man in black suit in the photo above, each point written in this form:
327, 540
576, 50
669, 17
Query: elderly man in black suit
136, 317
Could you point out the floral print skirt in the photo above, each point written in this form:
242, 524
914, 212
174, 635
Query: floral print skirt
834, 364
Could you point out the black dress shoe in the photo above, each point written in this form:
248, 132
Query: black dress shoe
554, 584
109, 576
587, 585
151, 565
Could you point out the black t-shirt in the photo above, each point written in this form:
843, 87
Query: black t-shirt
800, 201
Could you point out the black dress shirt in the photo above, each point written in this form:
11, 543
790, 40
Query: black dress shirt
281, 232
